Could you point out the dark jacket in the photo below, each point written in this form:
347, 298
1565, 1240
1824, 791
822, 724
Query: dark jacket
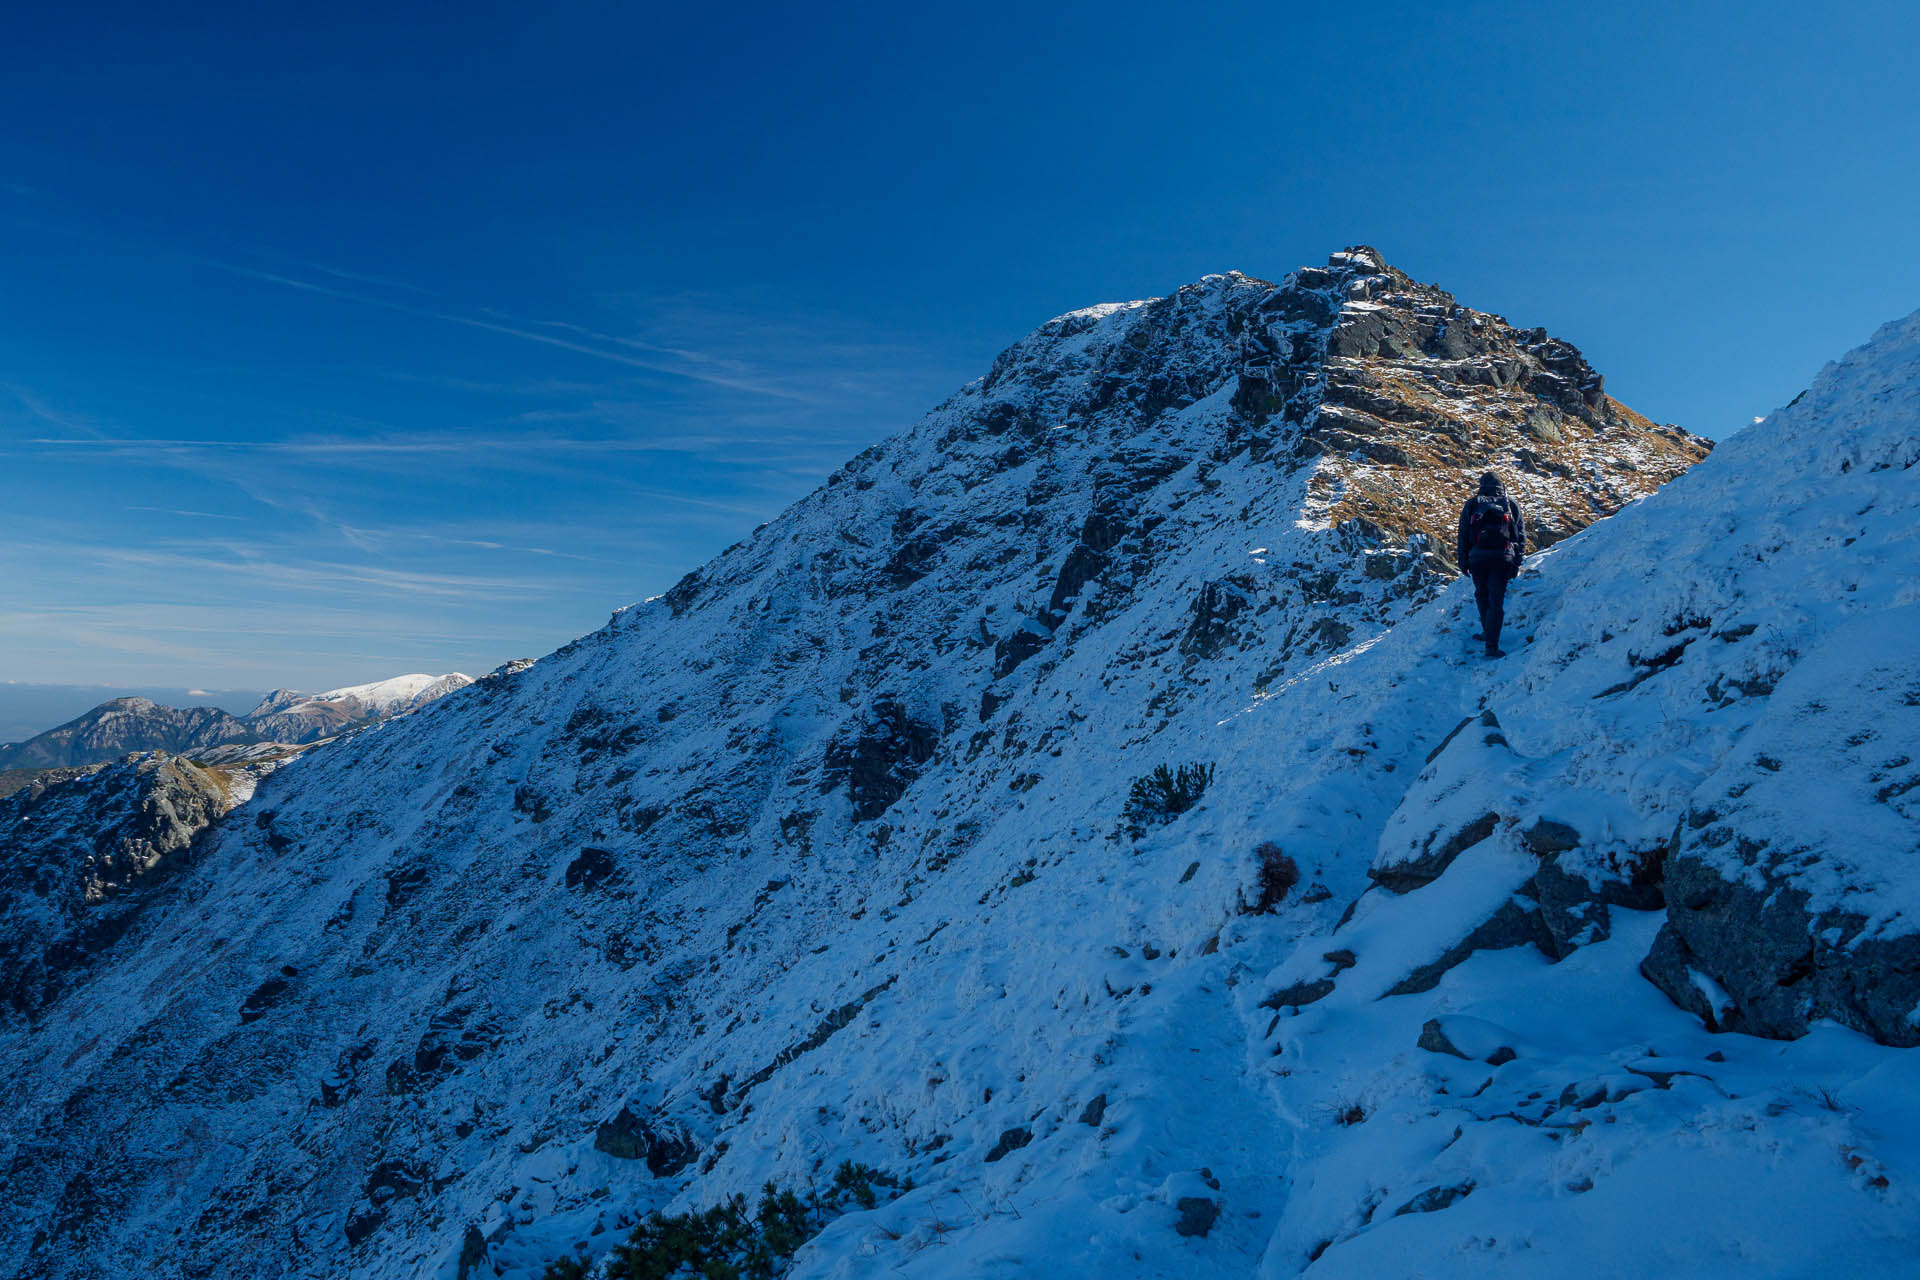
1491, 495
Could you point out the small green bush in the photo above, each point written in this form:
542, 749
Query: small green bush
729, 1242
863, 1183
1163, 795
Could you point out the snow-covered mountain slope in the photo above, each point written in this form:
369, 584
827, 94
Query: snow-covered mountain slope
828, 855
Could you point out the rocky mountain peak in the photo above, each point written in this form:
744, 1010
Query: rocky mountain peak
1408, 394
1394, 392
278, 700
445, 978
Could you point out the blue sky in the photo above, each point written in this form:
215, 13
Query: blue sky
343, 341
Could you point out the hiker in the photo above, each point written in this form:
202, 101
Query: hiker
1492, 540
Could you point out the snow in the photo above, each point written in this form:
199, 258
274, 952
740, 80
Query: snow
1840, 730
285, 716
990, 954
1581, 1160
377, 698
387, 695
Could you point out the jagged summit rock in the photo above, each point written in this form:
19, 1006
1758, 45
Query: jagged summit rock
1377, 367
1364, 256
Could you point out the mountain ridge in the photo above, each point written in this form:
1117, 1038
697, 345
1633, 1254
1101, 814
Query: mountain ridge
819, 856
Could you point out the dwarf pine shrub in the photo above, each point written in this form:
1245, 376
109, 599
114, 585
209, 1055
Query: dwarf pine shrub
731, 1242
1163, 795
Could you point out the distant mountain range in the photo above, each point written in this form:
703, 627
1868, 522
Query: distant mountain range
121, 725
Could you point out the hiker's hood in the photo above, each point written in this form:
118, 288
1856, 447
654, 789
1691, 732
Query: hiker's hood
1490, 485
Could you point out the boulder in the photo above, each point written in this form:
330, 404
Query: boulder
1213, 629
1299, 994
629, 1137
593, 868
1454, 804
1197, 1215
1442, 847
1790, 884
1010, 1141
1436, 1198
1547, 837
1474, 1039
1750, 954
1576, 889
1573, 913
1515, 924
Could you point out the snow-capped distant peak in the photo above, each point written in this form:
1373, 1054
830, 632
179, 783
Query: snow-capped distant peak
377, 698
287, 716
398, 693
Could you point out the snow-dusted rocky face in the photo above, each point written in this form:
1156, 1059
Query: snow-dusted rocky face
83, 846
834, 852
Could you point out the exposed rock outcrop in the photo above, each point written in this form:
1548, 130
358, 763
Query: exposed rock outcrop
1790, 889
629, 1137
79, 853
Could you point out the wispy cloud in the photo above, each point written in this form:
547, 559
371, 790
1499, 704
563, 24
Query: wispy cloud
201, 515
378, 539
472, 517
437, 444
329, 575
492, 387
777, 451
695, 370
362, 277
41, 409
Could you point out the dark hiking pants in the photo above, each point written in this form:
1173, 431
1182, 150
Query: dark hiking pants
1490, 581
